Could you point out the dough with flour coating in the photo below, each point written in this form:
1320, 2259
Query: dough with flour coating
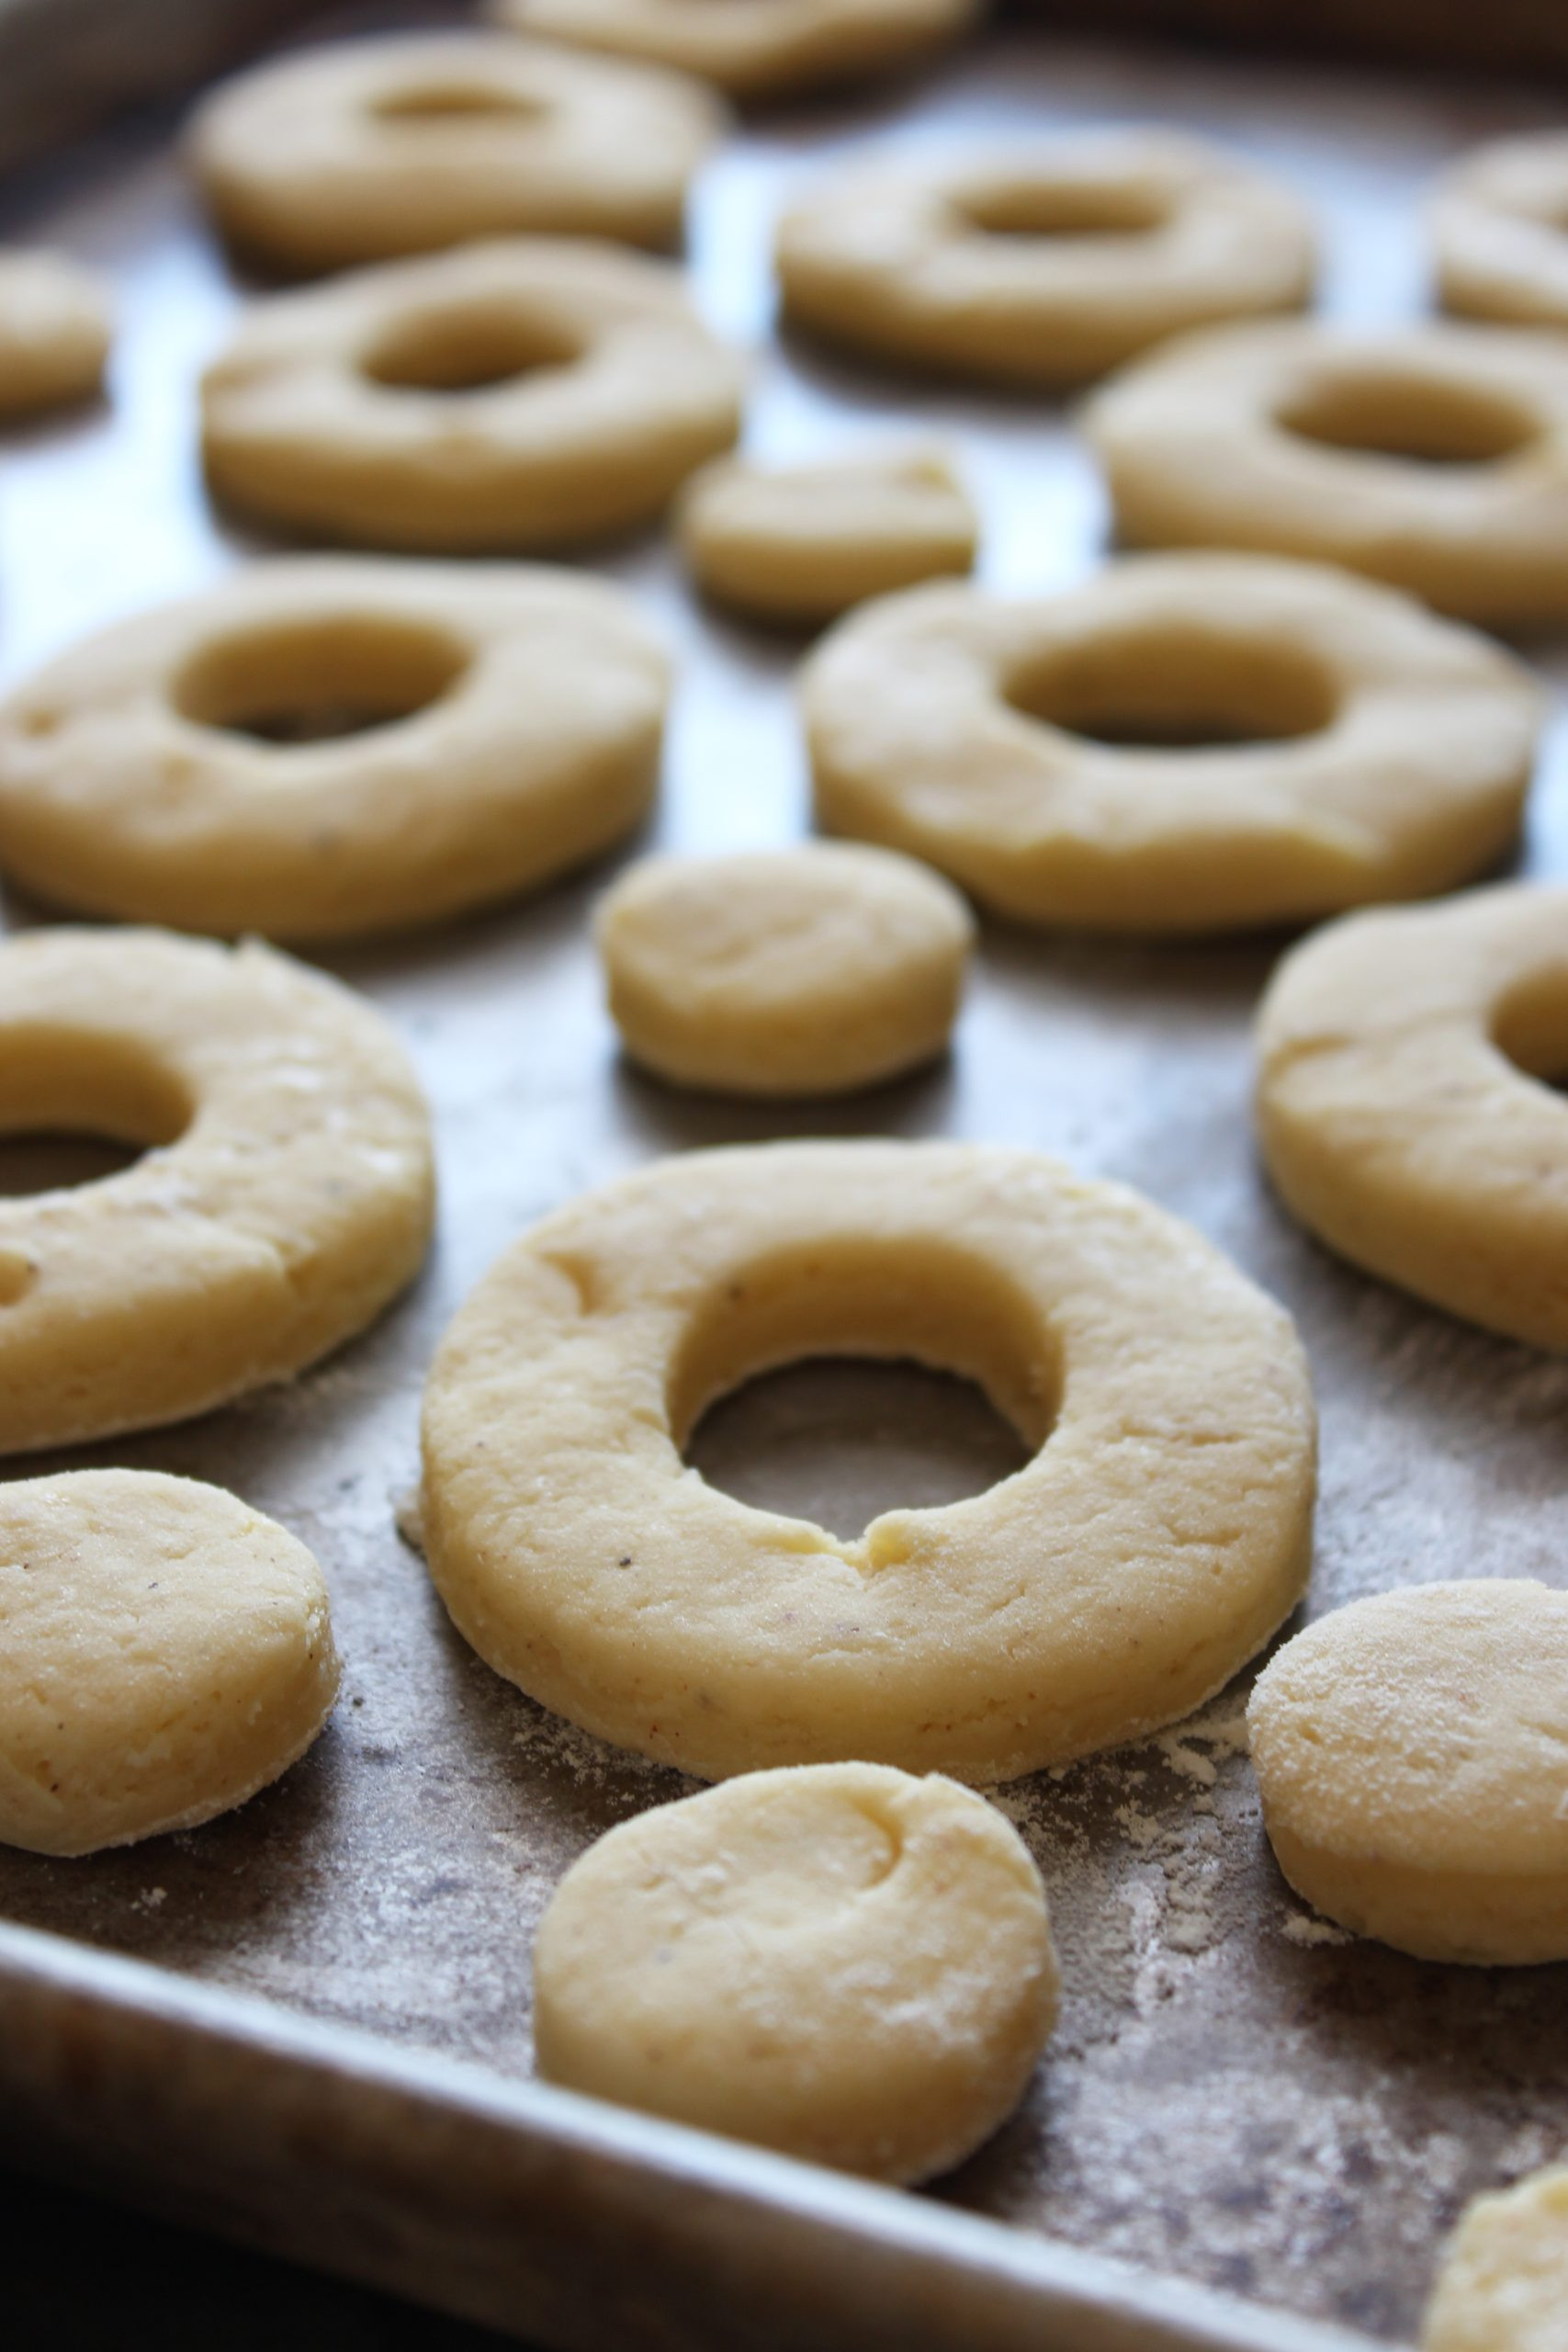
1504, 2285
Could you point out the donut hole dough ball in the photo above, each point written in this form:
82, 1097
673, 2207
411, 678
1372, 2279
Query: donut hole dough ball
1046, 267
1434, 458
1504, 2285
806, 971
801, 544
372, 148
761, 48
286, 1197
1500, 232
1401, 1107
517, 395
323, 746
1410, 1751
54, 331
842, 1962
1159, 1533
165, 1653
1185, 744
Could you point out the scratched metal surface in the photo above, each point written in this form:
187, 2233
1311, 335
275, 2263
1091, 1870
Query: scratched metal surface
1231, 2096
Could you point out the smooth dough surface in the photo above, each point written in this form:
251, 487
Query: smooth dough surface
1158, 1536
369, 149
286, 1196
1401, 1107
779, 972
510, 396
54, 331
1184, 743
842, 1962
1412, 1752
323, 746
1504, 2284
1500, 232
754, 48
1042, 265
1433, 456
165, 1653
804, 543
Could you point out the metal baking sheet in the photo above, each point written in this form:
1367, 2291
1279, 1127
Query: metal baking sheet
328, 2046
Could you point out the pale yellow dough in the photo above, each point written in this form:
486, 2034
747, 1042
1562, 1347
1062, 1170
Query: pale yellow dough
370, 148
54, 331
792, 971
804, 543
511, 722
1434, 457
754, 48
841, 1962
1158, 1535
1042, 265
1503, 2286
1412, 1752
1037, 749
511, 396
1400, 1109
1500, 235
285, 1198
165, 1653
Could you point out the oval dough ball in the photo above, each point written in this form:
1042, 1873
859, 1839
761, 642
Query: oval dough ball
54, 331
1503, 2286
841, 1962
165, 1653
1500, 232
369, 149
762, 49
794, 971
802, 543
1412, 1752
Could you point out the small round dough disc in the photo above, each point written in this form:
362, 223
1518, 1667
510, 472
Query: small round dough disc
165, 1653
1412, 1751
754, 49
799, 971
1504, 2286
54, 331
1500, 232
840, 1962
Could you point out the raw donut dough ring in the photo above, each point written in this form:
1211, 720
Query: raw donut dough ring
1400, 1111
535, 704
1504, 2284
287, 1196
1147, 1551
1290, 437
54, 331
1500, 232
1044, 268
371, 149
801, 544
784, 972
165, 1653
1410, 1751
623, 394
839, 1962
1403, 749
766, 49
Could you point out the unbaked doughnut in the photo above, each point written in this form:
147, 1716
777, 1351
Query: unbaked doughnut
840, 1962
792, 971
320, 746
1400, 1109
1435, 458
1042, 267
54, 331
165, 1653
369, 149
1158, 1535
518, 395
1500, 232
285, 1197
1503, 2286
1184, 743
1412, 1753
760, 49
804, 543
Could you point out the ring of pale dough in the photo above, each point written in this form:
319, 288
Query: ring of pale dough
1160, 1532
286, 1199
124, 790
840, 1962
624, 393
921, 717
1397, 1115
1500, 232
165, 1653
801, 971
1198, 455
1504, 2284
766, 49
1410, 1752
371, 149
1139, 235
54, 331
